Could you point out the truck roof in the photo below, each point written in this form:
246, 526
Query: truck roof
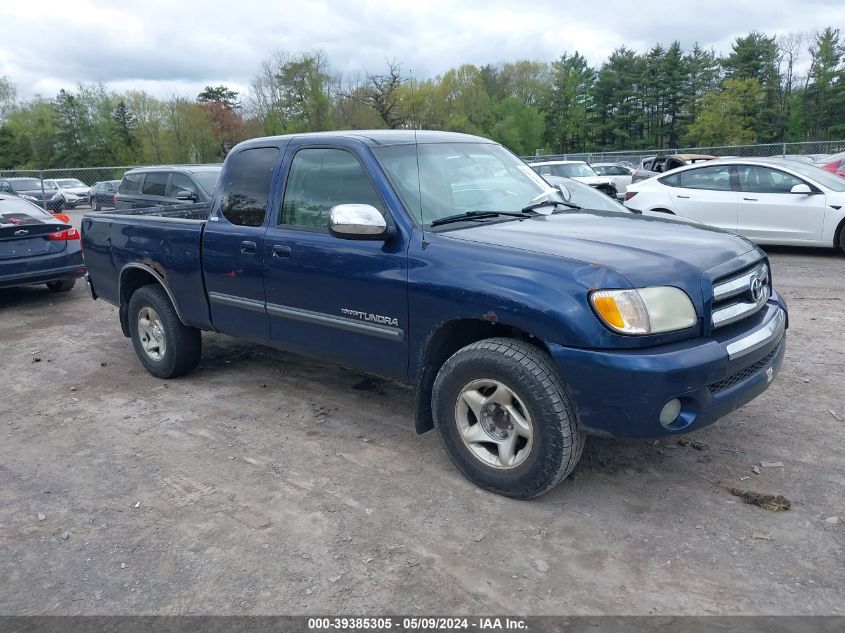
381, 137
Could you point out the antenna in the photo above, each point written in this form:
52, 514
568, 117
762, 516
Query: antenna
416, 152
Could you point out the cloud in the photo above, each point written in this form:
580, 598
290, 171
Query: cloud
175, 47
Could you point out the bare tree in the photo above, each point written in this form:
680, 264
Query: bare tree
379, 92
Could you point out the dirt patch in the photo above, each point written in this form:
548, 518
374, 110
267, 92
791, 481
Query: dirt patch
772, 503
264, 483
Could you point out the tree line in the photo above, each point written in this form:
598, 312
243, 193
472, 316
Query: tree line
765, 89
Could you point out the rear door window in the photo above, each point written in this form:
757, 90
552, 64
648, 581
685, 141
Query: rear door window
247, 187
155, 184
131, 183
717, 178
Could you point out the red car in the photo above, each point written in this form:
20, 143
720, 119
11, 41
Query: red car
834, 164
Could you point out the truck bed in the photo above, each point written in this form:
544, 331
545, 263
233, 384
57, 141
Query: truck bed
164, 241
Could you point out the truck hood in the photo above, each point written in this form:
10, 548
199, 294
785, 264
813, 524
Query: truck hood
647, 251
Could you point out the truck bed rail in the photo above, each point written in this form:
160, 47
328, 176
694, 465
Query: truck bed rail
180, 211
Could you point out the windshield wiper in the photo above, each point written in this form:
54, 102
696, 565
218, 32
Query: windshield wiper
549, 203
478, 215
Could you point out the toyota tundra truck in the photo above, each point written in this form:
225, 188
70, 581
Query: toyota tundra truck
524, 321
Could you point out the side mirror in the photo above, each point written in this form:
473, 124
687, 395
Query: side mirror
184, 194
802, 188
567, 195
357, 222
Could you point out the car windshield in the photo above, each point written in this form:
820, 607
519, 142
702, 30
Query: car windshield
70, 182
207, 179
447, 179
824, 178
570, 170
26, 184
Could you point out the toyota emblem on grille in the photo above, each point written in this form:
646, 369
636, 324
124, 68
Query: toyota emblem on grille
22, 232
757, 289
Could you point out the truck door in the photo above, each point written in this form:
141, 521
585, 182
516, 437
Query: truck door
233, 243
342, 299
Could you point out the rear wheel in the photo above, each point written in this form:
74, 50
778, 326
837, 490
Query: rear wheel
96, 205
61, 286
165, 346
503, 417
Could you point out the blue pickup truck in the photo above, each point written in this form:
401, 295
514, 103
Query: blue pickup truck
525, 321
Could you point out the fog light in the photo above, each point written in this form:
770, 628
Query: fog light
670, 411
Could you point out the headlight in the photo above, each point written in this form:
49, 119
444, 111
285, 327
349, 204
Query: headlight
644, 310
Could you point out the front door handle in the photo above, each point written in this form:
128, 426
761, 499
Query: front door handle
680, 196
752, 199
281, 252
249, 248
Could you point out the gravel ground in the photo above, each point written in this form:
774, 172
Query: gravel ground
267, 483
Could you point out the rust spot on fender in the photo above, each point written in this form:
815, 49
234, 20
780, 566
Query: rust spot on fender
156, 267
490, 317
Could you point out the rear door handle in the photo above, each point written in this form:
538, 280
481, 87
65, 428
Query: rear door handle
249, 248
281, 252
680, 196
754, 199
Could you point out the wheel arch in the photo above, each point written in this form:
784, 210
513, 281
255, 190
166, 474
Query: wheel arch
447, 339
838, 237
132, 277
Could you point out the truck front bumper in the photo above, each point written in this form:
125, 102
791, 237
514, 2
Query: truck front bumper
623, 393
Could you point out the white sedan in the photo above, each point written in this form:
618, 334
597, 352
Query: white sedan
620, 175
770, 201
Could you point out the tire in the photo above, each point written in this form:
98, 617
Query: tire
537, 396
172, 348
61, 286
841, 240
96, 206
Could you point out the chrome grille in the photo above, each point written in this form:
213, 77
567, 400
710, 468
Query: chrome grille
741, 294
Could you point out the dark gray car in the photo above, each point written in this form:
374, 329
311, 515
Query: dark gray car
166, 185
102, 194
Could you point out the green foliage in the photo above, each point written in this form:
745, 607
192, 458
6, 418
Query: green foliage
727, 117
661, 98
222, 95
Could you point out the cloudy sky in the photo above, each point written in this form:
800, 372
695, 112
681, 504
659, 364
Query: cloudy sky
180, 46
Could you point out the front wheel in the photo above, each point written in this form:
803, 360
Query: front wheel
504, 418
165, 346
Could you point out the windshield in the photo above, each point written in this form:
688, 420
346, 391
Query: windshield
207, 179
26, 184
567, 170
824, 178
458, 177
70, 182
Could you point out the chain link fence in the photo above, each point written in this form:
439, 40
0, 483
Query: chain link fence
64, 189
809, 152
